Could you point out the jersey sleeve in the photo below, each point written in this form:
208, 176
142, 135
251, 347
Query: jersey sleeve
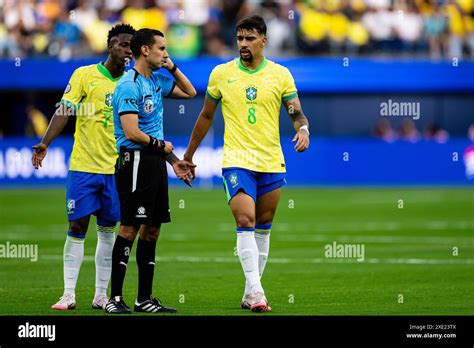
126, 98
167, 84
289, 90
213, 91
74, 92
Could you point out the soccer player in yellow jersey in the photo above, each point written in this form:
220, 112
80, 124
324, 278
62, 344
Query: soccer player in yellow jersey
90, 183
251, 90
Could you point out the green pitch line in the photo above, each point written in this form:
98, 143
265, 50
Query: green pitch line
418, 260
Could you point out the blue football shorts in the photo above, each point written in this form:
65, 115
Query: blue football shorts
255, 184
96, 194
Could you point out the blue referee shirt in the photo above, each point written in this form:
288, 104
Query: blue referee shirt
135, 94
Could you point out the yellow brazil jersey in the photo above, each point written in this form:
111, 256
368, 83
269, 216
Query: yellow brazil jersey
251, 102
89, 92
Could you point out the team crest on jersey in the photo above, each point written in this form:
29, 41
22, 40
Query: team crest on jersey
108, 99
251, 92
233, 180
148, 106
71, 205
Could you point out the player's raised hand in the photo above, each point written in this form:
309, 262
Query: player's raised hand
168, 147
302, 140
183, 171
39, 154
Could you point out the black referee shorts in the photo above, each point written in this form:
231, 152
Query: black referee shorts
141, 178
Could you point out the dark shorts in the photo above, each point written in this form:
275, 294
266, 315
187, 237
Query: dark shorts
255, 184
142, 185
88, 193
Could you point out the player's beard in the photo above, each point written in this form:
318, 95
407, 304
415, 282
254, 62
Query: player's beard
249, 58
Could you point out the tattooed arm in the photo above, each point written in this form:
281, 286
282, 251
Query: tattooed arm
300, 123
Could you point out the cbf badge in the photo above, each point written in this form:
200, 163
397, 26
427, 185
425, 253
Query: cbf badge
71, 205
251, 92
108, 99
233, 180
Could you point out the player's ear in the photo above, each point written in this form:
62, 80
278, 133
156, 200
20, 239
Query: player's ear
264, 41
110, 45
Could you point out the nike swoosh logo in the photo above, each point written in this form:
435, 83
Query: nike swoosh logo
94, 84
231, 81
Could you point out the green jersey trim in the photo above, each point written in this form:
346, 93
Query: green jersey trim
226, 190
290, 96
242, 67
68, 104
104, 71
215, 100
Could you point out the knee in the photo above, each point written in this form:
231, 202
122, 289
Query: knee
245, 221
150, 233
78, 227
128, 232
265, 219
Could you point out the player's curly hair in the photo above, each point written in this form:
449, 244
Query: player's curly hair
119, 29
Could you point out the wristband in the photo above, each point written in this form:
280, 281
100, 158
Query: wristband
153, 143
162, 145
173, 69
156, 144
305, 127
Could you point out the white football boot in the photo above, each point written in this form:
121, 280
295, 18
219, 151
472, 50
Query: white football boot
100, 301
67, 301
246, 301
259, 303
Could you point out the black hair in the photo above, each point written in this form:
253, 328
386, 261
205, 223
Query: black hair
252, 22
143, 37
119, 29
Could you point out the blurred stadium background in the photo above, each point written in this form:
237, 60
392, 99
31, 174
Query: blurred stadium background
348, 58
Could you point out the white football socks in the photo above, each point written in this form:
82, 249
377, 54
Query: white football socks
103, 258
248, 254
262, 238
72, 258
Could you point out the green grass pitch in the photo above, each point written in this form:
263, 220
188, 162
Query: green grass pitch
409, 267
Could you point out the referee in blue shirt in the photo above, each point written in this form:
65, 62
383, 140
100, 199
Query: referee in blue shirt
141, 176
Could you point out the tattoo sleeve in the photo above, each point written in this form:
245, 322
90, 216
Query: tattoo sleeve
293, 107
171, 158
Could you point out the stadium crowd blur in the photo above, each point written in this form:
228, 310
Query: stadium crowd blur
77, 28
407, 131
65, 29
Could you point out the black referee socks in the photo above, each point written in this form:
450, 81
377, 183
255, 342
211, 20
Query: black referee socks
120, 256
146, 268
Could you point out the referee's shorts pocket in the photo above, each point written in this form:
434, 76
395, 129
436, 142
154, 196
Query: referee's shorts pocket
123, 172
